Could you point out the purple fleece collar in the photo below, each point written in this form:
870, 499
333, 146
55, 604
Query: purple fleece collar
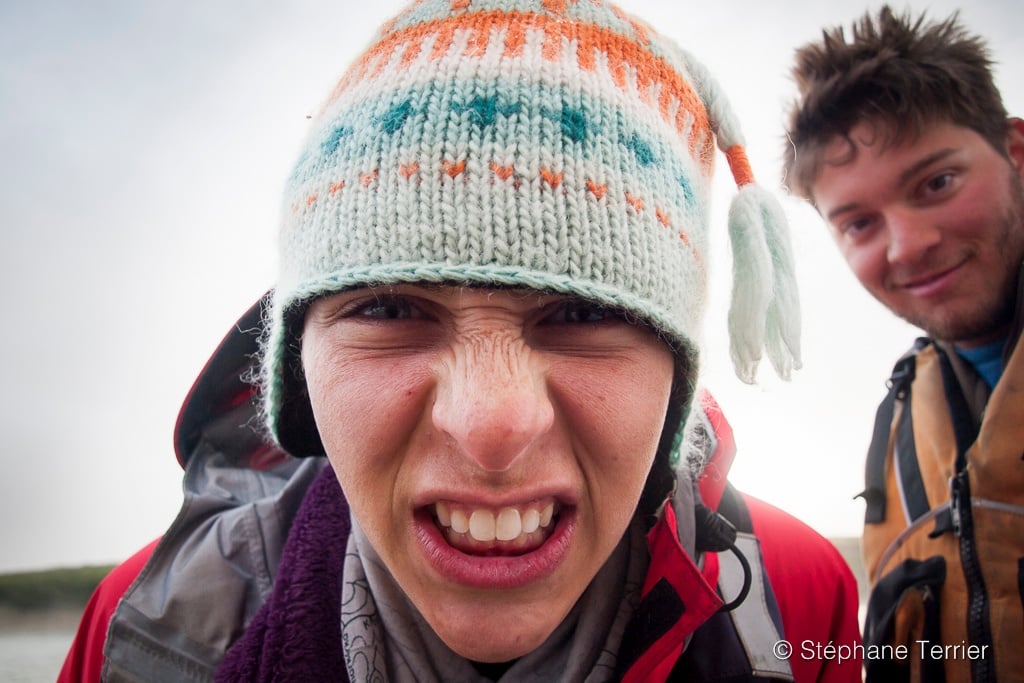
296, 634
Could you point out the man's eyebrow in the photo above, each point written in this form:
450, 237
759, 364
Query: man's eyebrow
841, 209
925, 162
906, 175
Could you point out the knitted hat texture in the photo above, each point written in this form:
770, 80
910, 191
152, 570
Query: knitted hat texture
559, 145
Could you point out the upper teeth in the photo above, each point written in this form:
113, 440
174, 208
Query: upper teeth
483, 525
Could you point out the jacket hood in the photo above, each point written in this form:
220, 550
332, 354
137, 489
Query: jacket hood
222, 409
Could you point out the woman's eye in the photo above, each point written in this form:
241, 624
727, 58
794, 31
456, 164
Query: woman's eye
387, 308
581, 312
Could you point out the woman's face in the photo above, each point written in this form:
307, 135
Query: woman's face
492, 444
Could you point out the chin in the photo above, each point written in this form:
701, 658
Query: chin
490, 640
965, 328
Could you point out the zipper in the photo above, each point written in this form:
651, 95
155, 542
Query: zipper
979, 629
955, 502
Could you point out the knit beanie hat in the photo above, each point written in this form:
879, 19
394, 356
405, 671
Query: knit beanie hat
557, 145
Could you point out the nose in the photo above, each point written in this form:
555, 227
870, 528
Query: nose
492, 401
910, 237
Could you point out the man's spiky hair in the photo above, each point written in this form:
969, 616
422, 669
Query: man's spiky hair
902, 72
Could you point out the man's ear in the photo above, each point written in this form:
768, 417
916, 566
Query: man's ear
1015, 143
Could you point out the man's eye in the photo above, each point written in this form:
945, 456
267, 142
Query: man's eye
938, 183
856, 225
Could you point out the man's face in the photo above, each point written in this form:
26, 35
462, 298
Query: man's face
492, 444
933, 227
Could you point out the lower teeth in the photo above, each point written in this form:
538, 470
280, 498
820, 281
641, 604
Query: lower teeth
466, 543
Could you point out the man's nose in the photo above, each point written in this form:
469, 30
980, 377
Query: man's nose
910, 236
492, 401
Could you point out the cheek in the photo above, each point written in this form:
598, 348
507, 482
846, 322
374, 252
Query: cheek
616, 412
344, 399
365, 410
976, 213
867, 262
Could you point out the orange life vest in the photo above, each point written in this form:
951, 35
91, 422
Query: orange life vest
944, 527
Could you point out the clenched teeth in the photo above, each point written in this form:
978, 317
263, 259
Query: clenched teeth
510, 524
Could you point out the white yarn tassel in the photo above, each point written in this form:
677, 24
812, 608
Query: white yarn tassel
765, 308
783, 324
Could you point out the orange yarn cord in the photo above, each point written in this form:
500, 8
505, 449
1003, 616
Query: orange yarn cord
739, 164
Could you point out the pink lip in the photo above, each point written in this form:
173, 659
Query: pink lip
494, 572
932, 284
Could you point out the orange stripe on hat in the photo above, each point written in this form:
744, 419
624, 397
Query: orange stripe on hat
623, 53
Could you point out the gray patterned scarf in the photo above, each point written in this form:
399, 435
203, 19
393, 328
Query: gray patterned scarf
386, 640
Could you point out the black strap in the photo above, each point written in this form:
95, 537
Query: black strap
717, 534
874, 471
1020, 580
732, 507
915, 497
964, 428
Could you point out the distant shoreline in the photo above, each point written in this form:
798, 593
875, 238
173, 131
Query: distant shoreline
46, 602
56, 620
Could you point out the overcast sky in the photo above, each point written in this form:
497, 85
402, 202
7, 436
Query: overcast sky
143, 149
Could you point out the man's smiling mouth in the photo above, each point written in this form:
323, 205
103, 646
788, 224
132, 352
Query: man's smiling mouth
925, 282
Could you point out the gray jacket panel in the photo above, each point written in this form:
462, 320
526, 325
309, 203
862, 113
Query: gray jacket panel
227, 539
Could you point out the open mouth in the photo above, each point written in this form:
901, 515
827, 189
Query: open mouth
506, 531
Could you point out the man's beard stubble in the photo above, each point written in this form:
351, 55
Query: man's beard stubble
993, 318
